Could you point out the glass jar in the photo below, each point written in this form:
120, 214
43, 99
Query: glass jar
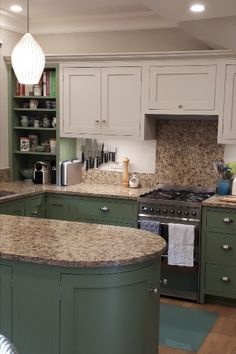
37, 90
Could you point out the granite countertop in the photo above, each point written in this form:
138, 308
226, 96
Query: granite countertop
216, 202
74, 244
89, 189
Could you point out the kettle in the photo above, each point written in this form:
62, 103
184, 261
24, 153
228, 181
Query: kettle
134, 182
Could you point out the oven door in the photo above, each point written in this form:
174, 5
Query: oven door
179, 281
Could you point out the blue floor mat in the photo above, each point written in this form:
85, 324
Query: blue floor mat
184, 328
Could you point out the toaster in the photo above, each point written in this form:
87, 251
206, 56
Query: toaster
71, 172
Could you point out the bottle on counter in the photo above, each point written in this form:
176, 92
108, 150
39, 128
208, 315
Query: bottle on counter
125, 176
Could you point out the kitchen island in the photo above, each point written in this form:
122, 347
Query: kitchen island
69, 287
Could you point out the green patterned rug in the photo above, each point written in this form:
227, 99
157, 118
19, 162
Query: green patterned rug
184, 328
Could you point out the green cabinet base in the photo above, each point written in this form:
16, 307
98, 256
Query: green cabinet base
80, 311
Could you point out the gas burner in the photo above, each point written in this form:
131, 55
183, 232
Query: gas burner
178, 195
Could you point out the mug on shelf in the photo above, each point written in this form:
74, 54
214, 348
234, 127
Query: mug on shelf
33, 104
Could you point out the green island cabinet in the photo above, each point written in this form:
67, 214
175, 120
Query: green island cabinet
20, 97
218, 264
13, 207
51, 309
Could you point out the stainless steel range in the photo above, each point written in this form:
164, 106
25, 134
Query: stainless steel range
176, 205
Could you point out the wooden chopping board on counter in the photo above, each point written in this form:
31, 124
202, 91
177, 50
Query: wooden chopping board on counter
228, 198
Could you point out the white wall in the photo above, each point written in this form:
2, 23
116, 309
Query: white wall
230, 153
9, 39
141, 155
170, 39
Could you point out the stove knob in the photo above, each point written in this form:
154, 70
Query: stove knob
178, 212
144, 209
172, 211
194, 213
186, 213
164, 211
151, 210
158, 210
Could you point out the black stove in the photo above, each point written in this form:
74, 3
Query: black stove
173, 202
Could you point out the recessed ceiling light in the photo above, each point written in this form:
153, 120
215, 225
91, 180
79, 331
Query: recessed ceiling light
197, 8
16, 8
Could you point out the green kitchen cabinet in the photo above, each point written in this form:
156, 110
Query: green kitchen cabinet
6, 300
51, 309
14, 207
110, 312
35, 206
105, 211
218, 253
35, 308
57, 207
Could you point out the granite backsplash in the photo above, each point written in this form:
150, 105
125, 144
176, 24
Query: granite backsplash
185, 154
4, 175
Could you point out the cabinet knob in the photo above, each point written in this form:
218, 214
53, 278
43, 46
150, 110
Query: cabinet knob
180, 106
34, 213
97, 121
226, 247
153, 291
104, 121
227, 220
104, 208
164, 281
225, 279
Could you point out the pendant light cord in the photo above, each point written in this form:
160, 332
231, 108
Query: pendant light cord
27, 16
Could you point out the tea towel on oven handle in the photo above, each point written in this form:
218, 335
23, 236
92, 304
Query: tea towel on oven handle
181, 244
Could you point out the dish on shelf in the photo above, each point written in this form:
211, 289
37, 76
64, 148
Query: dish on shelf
27, 173
40, 148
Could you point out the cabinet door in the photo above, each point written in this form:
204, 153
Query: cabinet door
57, 207
229, 121
121, 101
35, 206
81, 101
182, 88
6, 301
109, 313
15, 207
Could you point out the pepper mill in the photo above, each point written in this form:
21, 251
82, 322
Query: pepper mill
125, 176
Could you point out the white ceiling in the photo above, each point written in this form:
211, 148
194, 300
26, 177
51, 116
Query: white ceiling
57, 16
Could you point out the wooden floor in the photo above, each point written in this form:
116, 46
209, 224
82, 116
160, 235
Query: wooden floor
221, 339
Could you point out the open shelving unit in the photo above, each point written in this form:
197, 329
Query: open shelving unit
65, 147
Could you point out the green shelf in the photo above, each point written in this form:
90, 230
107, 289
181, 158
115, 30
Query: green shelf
36, 97
33, 153
33, 128
35, 109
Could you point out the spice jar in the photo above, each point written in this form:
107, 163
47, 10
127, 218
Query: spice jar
37, 90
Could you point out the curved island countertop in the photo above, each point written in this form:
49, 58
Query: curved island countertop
75, 244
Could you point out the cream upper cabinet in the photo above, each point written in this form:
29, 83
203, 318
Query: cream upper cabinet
227, 133
182, 89
101, 101
81, 101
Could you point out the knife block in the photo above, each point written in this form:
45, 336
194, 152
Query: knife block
125, 176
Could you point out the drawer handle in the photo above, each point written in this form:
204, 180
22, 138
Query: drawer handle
104, 208
226, 247
97, 121
227, 220
225, 279
154, 291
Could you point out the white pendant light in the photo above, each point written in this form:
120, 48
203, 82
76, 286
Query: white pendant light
28, 59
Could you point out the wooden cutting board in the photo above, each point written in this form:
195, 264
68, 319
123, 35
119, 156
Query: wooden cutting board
228, 198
